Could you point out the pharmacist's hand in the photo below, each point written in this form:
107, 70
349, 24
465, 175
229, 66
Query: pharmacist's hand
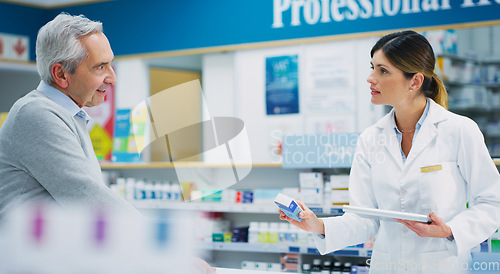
202, 267
437, 229
309, 223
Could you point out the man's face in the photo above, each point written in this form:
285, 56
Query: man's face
87, 86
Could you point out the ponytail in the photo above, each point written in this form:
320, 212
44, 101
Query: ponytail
439, 94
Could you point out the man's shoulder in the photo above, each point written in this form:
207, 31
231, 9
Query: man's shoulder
35, 103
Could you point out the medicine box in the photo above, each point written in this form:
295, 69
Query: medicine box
312, 196
340, 197
339, 181
311, 180
288, 206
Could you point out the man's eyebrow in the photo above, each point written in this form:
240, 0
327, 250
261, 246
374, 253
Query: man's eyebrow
103, 63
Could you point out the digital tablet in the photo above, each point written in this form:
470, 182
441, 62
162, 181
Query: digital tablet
387, 214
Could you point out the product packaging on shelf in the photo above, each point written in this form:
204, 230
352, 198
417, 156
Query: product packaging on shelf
311, 188
44, 238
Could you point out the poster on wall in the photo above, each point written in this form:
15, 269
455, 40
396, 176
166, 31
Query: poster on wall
130, 129
329, 79
282, 85
101, 125
327, 124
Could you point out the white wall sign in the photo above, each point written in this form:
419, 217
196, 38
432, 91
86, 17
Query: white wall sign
14, 47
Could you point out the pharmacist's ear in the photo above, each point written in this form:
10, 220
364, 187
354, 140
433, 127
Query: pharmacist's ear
416, 81
59, 75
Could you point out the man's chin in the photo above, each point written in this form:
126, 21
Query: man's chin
94, 103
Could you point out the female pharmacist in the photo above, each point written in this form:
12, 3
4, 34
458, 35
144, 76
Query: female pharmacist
419, 158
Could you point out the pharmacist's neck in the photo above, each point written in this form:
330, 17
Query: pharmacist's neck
407, 115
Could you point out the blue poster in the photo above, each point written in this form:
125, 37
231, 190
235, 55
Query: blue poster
282, 85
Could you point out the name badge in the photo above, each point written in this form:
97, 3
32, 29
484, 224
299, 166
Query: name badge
426, 169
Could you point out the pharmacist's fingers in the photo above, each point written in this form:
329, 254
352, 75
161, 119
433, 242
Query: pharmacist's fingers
302, 205
288, 219
202, 267
306, 213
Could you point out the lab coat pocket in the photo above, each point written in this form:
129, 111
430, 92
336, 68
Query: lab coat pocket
440, 188
440, 262
380, 262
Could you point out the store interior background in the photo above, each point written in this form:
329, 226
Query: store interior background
233, 83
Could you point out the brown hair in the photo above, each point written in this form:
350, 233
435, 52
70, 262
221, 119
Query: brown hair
410, 52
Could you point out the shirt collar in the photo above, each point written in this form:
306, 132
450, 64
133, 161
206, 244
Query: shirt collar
62, 100
420, 121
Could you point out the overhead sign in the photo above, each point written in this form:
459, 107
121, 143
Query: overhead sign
247, 22
312, 12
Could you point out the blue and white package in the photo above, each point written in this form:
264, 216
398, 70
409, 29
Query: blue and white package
288, 206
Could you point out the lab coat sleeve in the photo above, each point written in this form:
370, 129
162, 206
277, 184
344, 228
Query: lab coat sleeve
482, 218
350, 229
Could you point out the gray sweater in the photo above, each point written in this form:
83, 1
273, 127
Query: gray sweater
46, 154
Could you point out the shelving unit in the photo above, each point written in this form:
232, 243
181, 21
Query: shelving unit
110, 165
230, 207
263, 175
281, 248
473, 86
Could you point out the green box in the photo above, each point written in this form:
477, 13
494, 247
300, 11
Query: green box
495, 246
217, 237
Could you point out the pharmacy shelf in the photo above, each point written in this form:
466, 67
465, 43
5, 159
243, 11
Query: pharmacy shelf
110, 165
476, 109
486, 84
11, 65
455, 57
153, 165
279, 248
268, 208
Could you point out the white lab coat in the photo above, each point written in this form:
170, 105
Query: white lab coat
379, 179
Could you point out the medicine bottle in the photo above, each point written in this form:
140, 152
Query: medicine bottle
253, 233
273, 233
316, 266
337, 268
140, 192
283, 233
346, 269
263, 232
306, 268
327, 267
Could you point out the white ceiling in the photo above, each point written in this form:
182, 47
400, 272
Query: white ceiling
51, 3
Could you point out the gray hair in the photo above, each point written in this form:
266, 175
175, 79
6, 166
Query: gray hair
58, 41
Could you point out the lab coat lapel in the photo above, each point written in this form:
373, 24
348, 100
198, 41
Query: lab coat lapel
390, 140
428, 131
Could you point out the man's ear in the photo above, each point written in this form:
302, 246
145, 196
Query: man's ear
416, 81
59, 75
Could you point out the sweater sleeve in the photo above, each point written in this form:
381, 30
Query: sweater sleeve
49, 148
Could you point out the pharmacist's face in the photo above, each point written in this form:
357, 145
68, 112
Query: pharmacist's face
87, 86
387, 83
